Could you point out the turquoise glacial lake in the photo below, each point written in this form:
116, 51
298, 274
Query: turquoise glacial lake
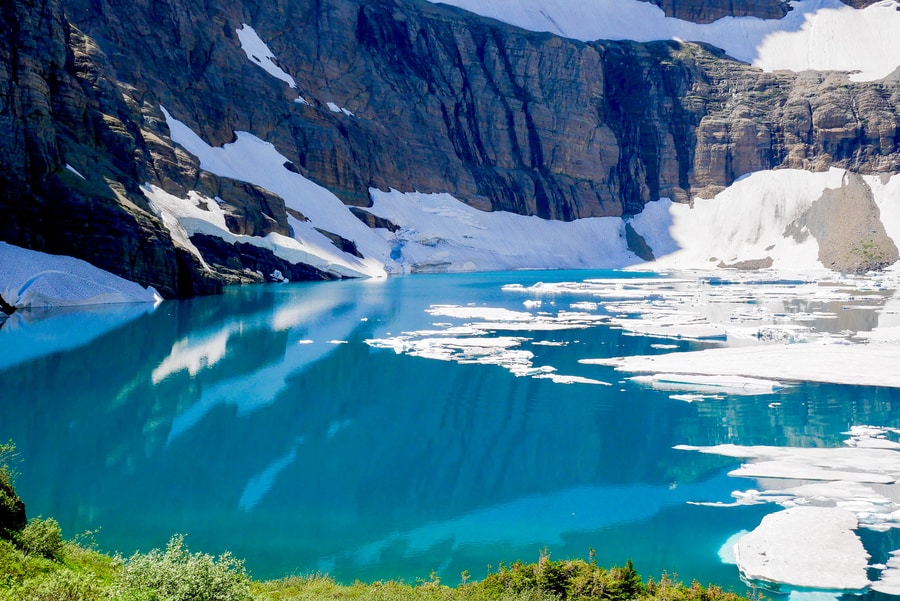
263, 422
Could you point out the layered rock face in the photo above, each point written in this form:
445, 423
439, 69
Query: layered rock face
441, 101
710, 10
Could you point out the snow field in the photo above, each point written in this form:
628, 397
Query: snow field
31, 280
823, 35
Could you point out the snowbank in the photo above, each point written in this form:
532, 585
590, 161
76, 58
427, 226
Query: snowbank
30, 279
437, 232
824, 35
751, 219
259, 54
759, 219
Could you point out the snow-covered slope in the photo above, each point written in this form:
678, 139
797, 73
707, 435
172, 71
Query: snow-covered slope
434, 232
760, 221
30, 279
821, 35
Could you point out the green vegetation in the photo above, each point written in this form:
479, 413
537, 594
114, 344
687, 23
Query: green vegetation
36, 564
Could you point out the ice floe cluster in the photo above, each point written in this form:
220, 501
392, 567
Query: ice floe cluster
769, 329
828, 493
476, 340
766, 332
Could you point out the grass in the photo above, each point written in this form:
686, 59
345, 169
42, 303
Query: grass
175, 574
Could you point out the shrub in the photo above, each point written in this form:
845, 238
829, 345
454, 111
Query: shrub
178, 575
572, 579
59, 585
12, 564
12, 509
41, 537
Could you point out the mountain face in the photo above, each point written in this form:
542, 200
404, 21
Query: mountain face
377, 95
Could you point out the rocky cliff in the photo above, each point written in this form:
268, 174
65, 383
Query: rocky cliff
434, 100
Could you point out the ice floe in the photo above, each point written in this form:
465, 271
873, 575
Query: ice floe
805, 547
477, 342
857, 364
736, 385
828, 493
889, 582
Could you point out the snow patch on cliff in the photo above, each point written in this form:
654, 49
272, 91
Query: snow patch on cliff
759, 222
435, 232
824, 35
259, 54
252, 160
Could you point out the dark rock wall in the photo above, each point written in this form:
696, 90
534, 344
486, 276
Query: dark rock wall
58, 107
443, 101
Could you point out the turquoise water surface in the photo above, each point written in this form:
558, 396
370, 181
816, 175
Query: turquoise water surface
261, 422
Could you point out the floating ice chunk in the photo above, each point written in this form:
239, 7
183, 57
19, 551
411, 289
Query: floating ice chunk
889, 582
584, 306
694, 398
812, 547
863, 365
490, 313
719, 384
795, 471
560, 379
813, 596
260, 55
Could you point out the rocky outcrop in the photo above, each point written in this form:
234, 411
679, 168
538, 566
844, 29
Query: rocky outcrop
505, 119
437, 101
58, 108
847, 226
707, 11
12, 509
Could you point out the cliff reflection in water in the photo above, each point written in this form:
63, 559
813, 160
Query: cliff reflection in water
261, 422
